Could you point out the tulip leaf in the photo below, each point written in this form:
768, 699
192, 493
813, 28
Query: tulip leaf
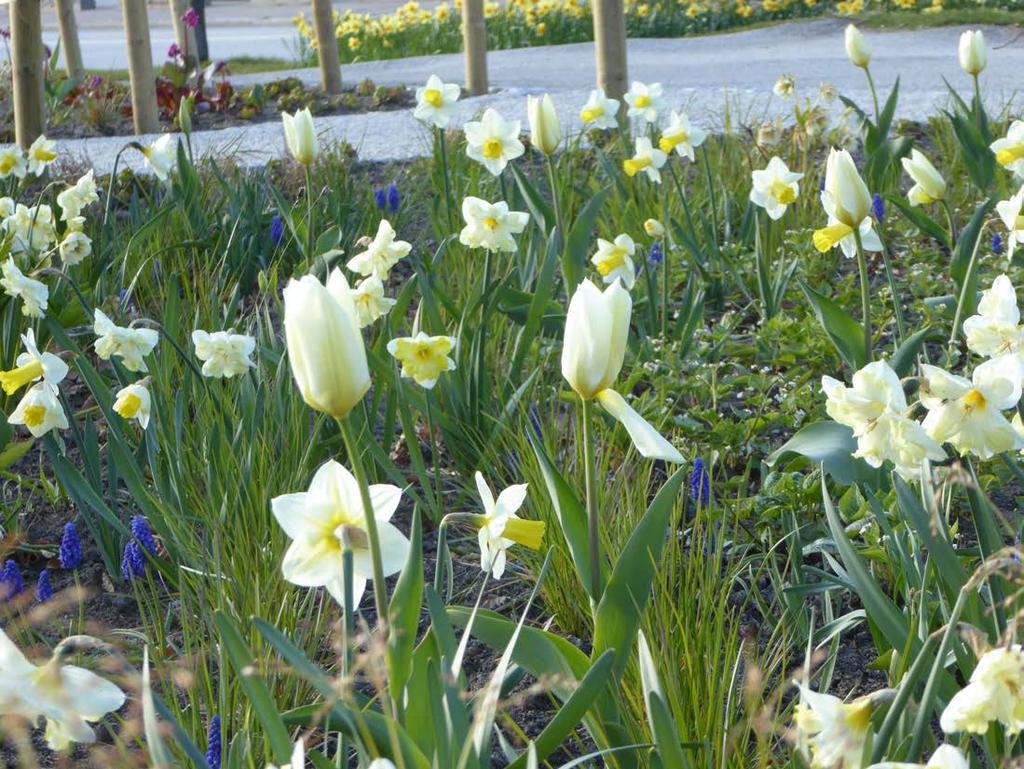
572, 516
964, 252
846, 334
256, 691
12, 452
934, 536
920, 219
405, 611
618, 614
543, 214
581, 238
830, 445
902, 361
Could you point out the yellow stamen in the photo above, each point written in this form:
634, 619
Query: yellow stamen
614, 259
782, 192
35, 415
128, 406
16, 378
433, 97
526, 533
491, 223
633, 166
492, 149
1009, 155
591, 114
45, 156
827, 237
974, 400
643, 101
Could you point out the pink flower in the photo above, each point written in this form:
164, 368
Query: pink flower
191, 18
174, 51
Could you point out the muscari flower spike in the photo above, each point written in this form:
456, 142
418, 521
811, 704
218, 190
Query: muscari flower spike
133, 562
380, 198
656, 256
878, 208
213, 745
700, 483
997, 244
394, 198
70, 547
276, 231
44, 590
140, 530
11, 582
534, 416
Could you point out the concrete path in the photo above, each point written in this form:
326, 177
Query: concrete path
715, 78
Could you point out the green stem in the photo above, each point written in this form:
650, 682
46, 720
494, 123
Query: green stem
874, 94
865, 295
950, 221
897, 304
593, 521
309, 216
570, 275
443, 152
682, 197
664, 293
433, 452
379, 588
972, 267
711, 194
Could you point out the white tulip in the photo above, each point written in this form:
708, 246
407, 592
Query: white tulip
545, 130
857, 48
929, 186
300, 136
973, 53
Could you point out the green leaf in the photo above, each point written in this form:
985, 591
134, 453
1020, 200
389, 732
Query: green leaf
629, 587
257, 693
830, 445
966, 243
405, 612
570, 511
932, 531
543, 214
902, 361
14, 451
581, 238
847, 335
924, 223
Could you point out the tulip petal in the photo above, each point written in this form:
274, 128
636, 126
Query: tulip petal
648, 441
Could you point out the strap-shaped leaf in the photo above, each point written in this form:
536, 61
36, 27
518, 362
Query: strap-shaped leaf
846, 334
405, 612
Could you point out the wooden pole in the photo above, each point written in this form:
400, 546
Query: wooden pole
610, 46
27, 70
327, 46
140, 67
474, 43
69, 44
183, 35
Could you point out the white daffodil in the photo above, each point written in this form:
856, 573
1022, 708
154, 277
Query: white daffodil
32, 365
929, 186
654, 228
68, 697
491, 225
132, 345
134, 402
614, 260
996, 329
300, 136
328, 519
682, 136
424, 358
7, 208
35, 296
161, 156
493, 141
600, 111
41, 155
298, 760
40, 410
12, 162
382, 253
968, 413
994, 693
831, 733
370, 302
774, 188
223, 353
1011, 212
596, 331
645, 101
899, 440
944, 757
645, 158
77, 196
435, 102
500, 527
75, 247
847, 202
32, 229
1009, 150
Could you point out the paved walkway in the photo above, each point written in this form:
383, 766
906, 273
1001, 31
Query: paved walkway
715, 78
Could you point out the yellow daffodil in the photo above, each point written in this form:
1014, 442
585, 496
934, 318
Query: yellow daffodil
133, 402
1009, 150
614, 260
493, 141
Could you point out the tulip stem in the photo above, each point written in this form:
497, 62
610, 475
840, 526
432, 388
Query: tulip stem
570, 276
865, 295
443, 152
309, 216
961, 303
428, 397
592, 514
355, 459
874, 94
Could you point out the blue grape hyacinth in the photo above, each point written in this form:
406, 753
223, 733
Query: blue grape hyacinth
70, 547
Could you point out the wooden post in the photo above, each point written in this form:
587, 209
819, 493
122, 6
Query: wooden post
327, 46
474, 43
610, 46
27, 70
183, 36
140, 67
69, 44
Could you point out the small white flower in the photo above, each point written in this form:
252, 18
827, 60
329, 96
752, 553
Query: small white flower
12, 162
493, 141
775, 188
41, 155
435, 102
32, 228
994, 693
614, 260
381, 254
76, 197
645, 101
491, 226
32, 365
645, 158
500, 522
996, 329
600, 111
1010, 211
34, 295
161, 156
40, 411
681, 136
1009, 150
785, 87
75, 247
133, 402
132, 345
223, 354
370, 301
